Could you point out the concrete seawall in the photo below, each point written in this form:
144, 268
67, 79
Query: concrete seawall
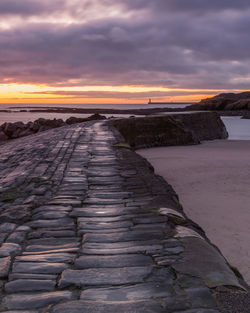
86, 226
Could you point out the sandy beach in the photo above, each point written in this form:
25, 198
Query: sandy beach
212, 181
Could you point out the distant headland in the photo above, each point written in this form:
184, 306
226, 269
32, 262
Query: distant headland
168, 102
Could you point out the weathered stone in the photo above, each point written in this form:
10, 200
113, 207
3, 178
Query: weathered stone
182, 232
3, 136
135, 292
35, 300
58, 243
22, 311
51, 233
38, 268
110, 307
161, 274
51, 223
129, 260
14, 276
55, 244
150, 220
3, 236
50, 215
53, 257
7, 227
124, 236
107, 276
150, 227
104, 225
199, 310
9, 249
202, 260
119, 245
200, 297
23, 229
98, 212
166, 260
4, 266
16, 237
53, 208
74, 203
133, 249
21, 285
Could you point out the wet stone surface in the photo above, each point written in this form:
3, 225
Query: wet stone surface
86, 226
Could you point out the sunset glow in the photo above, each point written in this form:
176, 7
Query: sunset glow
41, 93
120, 51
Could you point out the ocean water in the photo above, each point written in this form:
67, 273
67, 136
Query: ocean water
15, 115
238, 128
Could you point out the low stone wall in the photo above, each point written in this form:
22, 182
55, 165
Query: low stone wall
171, 130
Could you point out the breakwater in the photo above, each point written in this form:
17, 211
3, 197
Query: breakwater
86, 226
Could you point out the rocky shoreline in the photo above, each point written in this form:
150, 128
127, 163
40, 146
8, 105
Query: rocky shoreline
20, 129
224, 102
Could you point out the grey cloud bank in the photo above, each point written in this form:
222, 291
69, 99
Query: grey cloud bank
176, 44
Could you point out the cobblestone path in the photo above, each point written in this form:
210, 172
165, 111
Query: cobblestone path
86, 226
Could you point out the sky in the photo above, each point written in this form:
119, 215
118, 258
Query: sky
122, 51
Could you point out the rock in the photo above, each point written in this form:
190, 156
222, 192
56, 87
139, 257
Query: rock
12, 129
52, 257
104, 276
224, 101
36, 300
142, 306
25, 132
16, 237
21, 285
16, 276
3, 136
202, 260
112, 261
4, 266
7, 227
9, 249
96, 116
171, 130
73, 120
125, 293
48, 124
38, 268
51, 223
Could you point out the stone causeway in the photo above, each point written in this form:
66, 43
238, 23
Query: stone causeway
86, 226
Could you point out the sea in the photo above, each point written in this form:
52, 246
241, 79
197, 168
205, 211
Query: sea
238, 128
15, 115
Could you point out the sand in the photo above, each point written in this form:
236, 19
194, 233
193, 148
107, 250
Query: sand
213, 183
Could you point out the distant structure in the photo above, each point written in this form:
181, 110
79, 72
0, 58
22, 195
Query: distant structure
167, 102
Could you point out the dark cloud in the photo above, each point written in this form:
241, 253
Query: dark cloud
168, 44
29, 7
187, 6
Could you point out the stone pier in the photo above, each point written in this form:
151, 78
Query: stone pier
86, 226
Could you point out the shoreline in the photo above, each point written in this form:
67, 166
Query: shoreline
144, 111
215, 199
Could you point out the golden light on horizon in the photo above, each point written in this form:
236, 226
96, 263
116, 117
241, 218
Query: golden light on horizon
43, 93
